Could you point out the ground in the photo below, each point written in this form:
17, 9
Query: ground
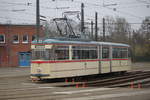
15, 84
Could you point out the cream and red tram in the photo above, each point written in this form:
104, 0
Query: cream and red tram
59, 59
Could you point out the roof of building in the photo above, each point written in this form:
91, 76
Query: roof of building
19, 24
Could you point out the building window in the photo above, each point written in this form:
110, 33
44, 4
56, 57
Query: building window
25, 39
33, 37
2, 38
15, 39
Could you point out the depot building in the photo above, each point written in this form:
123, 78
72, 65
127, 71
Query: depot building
15, 44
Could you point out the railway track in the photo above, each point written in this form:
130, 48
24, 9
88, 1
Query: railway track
131, 79
16, 89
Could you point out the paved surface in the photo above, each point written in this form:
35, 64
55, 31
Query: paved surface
11, 72
15, 84
141, 66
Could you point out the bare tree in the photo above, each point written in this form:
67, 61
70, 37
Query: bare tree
117, 29
141, 41
145, 28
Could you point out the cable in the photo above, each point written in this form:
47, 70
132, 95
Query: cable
17, 11
143, 1
117, 23
15, 19
60, 8
126, 13
116, 11
22, 12
14, 3
97, 5
132, 6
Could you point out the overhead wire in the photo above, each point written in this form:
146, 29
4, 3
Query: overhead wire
31, 5
144, 1
16, 18
126, 13
101, 6
135, 6
93, 4
25, 4
22, 12
123, 12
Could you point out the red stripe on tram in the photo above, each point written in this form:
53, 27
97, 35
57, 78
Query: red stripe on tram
66, 61
120, 59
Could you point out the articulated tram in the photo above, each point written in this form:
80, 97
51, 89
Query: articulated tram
54, 58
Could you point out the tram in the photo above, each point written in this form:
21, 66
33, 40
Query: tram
53, 58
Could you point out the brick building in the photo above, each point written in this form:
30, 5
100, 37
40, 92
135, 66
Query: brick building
15, 43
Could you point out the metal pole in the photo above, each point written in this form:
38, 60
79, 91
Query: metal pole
82, 18
104, 29
38, 19
96, 38
8, 45
92, 30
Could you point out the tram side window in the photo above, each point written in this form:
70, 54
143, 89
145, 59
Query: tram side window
61, 52
116, 53
84, 52
124, 53
120, 52
93, 54
105, 52
40, 54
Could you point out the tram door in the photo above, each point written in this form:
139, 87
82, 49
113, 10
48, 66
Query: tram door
105, 59
100, 58
24, 59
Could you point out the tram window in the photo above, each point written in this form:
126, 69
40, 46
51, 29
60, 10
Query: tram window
56, 53
61, 52
40, 54
105, 52
116, 53
120, 53
43, 54
124, 53
46, 54
93, 54
84, 52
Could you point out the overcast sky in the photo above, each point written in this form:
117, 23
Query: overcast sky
23, 11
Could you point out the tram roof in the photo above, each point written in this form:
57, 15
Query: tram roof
55, 41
